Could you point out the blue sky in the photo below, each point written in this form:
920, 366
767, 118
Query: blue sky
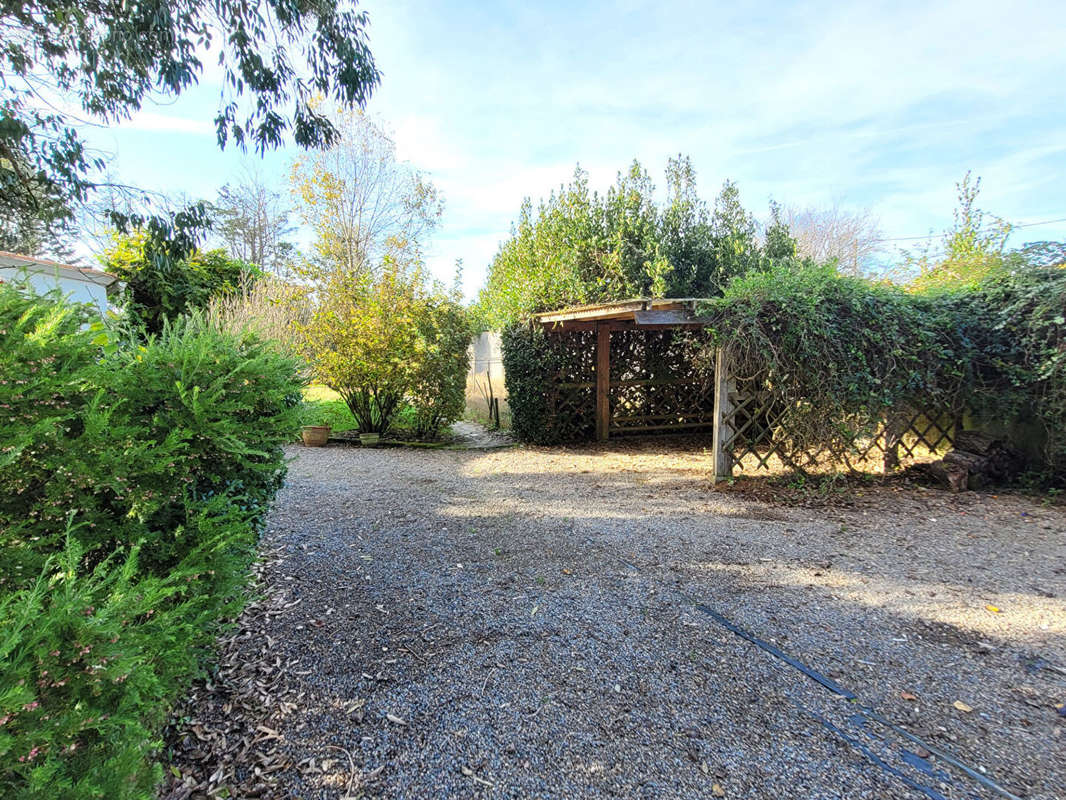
875, 105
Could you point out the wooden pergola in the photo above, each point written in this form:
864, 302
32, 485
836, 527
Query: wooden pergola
641, 314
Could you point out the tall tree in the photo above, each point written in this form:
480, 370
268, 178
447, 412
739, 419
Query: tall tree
851, 238
685, 228
31, 215
252, 220
109, 58
779, 240
735, 248
581, 247
629, 263
362, 203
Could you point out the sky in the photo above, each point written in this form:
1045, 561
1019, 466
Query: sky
879, 106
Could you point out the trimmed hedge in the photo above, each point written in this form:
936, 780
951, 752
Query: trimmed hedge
133, 478
530, 361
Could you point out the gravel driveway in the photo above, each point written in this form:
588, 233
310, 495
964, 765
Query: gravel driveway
520, 623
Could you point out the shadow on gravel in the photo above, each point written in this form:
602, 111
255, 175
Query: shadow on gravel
469, 625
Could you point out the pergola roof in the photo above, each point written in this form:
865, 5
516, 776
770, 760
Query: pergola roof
638, 313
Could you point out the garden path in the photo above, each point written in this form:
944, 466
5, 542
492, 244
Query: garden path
519, 623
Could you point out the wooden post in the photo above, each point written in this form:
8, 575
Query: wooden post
722, 437
603, 381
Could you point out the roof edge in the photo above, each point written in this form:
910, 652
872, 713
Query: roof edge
619, 309
43, 264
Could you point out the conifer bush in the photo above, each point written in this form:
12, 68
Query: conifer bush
134, 476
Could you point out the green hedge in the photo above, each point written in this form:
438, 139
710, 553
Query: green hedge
841, 354
133, 478
530, 361
1028, 332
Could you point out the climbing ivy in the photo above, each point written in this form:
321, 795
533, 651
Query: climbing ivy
842, 354
530, 361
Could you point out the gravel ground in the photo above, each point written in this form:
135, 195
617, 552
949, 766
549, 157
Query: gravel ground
514, 623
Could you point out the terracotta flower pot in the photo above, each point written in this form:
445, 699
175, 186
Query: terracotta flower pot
315, 435
369, 439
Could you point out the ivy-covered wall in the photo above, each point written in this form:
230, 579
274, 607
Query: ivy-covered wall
841, 357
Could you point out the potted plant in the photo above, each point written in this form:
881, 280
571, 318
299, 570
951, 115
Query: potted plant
369, 439
315, 435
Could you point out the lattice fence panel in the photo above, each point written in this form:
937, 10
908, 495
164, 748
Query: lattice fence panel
654, 386
572, 386
757, 439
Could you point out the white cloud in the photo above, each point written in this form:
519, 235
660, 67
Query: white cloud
883, 104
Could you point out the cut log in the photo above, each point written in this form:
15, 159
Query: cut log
971, 461
953, 476
975, 468
976, 442
1003, 460
976, 461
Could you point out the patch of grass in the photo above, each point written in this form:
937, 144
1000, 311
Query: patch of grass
323, 406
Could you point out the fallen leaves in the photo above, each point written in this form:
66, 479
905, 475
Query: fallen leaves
251, 690
994, 609
961, 706
908, 696
717, 790
395, 720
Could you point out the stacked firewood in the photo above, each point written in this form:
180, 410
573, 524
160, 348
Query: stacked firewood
976, 460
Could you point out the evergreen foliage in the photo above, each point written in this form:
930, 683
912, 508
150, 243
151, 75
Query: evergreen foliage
161, 286
842, 354
582, 247
530, 359
133, 477
1029, 324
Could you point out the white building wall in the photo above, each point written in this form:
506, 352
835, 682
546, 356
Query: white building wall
486, 377
77, 290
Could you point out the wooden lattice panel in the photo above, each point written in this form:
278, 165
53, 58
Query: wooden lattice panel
654, 386
572, 387
757, 438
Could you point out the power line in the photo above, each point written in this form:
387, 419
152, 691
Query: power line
938, 235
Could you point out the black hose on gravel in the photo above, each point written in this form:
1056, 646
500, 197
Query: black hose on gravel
928, 791
867, 711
